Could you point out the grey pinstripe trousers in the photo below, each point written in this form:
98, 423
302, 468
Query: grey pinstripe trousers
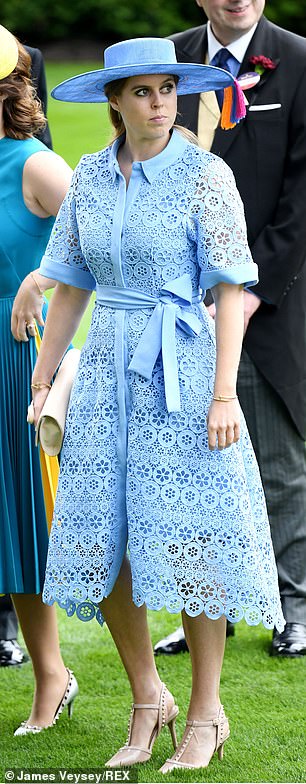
281, 455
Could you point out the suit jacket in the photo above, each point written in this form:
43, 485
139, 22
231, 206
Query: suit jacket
267, 152
39, 81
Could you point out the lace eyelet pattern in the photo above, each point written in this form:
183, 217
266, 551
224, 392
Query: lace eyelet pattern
195, 521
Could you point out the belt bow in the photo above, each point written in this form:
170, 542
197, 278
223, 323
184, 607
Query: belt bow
170, 311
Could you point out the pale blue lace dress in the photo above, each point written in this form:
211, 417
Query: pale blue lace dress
135, 467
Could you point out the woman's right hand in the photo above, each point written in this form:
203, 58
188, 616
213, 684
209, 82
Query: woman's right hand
27, 309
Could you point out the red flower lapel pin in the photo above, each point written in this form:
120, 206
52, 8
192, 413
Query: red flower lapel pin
262, 64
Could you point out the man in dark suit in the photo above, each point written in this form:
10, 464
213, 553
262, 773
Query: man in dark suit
38, 75
267, 152
11, 654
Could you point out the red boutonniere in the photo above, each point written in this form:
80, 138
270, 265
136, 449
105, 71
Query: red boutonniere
262, 64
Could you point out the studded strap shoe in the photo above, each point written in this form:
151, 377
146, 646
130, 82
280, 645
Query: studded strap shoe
200, 741
166, 717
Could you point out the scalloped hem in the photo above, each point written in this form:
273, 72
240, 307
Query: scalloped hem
253, 616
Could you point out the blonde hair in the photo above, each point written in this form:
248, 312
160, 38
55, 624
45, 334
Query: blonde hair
115, 88
22, 112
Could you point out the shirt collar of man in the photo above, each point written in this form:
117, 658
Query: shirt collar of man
236, 48
153, 166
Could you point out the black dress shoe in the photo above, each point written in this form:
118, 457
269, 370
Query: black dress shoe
230, 629
291, 642
11, 654
176, 643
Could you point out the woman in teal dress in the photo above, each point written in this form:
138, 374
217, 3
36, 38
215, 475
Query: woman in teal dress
27, 210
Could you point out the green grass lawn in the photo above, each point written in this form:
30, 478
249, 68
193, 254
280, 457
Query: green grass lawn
264, 698
76, 128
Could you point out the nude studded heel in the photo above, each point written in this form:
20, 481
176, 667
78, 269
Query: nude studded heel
130, 754
201, 740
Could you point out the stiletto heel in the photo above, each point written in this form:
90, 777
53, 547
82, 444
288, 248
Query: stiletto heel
206, 741
221, 752
70, 707
130, 754
172, 729
69, 696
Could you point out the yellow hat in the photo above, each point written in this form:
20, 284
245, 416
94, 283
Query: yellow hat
8, 52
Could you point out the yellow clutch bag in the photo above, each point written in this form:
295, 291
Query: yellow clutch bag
51, 425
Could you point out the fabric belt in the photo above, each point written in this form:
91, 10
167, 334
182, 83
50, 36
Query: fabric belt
171, 310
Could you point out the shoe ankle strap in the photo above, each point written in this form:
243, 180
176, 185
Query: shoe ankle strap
210, 722
145, 705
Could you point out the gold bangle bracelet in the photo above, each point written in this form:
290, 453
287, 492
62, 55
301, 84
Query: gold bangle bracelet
224, 398
36, 284
40, 385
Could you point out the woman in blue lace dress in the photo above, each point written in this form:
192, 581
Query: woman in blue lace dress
156, 455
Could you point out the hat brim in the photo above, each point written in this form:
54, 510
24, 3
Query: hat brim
9, 52
89, 87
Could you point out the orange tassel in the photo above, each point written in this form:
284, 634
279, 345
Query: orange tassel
226, 123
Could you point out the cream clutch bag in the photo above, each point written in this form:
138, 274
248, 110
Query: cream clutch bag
51, 423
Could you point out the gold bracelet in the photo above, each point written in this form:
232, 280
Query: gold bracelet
40, 385
224, 398
36, 284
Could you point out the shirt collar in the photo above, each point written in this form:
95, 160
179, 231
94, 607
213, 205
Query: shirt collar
153, 166
236, 48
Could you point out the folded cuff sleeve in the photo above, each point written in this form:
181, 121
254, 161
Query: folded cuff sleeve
80, 278
246, 274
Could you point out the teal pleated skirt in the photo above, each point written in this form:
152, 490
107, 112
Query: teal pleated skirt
23, 526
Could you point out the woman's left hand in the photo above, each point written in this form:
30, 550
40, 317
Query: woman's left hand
39, 397
27, 309
223, 424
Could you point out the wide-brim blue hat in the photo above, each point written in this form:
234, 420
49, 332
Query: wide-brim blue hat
138, 56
